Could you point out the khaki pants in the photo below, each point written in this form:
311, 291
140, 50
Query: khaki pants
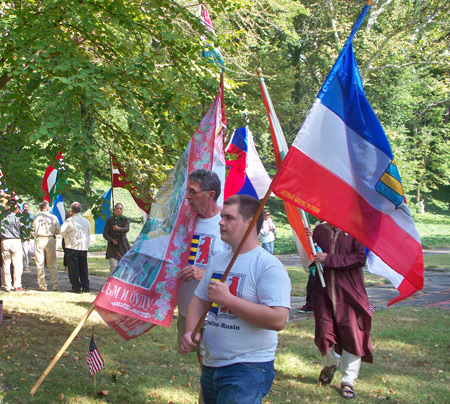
12, 251
112, 264
45, 247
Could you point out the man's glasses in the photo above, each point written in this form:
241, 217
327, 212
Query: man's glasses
193, 192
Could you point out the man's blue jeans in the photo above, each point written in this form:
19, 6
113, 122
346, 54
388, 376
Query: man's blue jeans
268, 246
240, 383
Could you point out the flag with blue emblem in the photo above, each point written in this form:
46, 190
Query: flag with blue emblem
341, 169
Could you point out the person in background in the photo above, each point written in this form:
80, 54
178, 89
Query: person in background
45, 228
63, 245
115, 232
77, 232
27, 245
267, 233
342, 312
10, 232
249, 308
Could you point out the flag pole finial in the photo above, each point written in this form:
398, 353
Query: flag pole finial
369, 2
259, 72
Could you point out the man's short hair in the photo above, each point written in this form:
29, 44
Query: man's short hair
76, 207
248, 206
208, 180
43, 205
118, 203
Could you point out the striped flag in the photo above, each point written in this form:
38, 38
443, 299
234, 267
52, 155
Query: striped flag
104, 212
58, 209
280, 150
247, 174
341, 169
50, 180
94, 359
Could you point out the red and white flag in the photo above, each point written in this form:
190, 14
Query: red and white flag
120, 181
50, 181
280, 150
94, 359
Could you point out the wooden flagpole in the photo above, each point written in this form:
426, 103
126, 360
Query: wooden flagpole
62, 350
234, 258
112, 179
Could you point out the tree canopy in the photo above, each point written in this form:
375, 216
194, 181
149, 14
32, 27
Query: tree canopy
93, 77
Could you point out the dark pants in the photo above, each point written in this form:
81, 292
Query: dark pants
309, 289
78, 270
65, 263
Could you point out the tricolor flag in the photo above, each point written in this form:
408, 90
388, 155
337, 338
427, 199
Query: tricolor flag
104, 212
94, 359
120, 181
280, 150
50, 180
142, 290
247, 174
58, 209
341, 169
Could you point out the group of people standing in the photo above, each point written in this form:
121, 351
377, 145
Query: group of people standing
44, 229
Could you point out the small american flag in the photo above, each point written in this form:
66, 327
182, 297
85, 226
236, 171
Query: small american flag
94, 360
371, 309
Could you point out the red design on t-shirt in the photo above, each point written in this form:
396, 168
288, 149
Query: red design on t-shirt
204, 250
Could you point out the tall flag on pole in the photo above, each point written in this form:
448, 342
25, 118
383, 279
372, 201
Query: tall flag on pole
210, 52
104, 212
94, 359
341, 169
280, 149
142, 290
50, 180
58, 209
120, 181
247, 174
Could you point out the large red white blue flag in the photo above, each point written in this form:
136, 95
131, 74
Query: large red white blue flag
247, 174
142, 290
341, 169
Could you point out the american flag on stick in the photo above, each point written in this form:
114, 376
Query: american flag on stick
94, 360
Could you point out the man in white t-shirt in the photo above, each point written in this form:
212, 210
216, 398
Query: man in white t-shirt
203, 190
240, 337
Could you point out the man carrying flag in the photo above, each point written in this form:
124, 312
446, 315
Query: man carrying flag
203, 191
248, 310
341, 309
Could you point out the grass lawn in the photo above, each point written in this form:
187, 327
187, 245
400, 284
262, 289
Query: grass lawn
411, 348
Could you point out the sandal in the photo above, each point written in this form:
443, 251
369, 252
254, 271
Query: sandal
347, 391
327, 374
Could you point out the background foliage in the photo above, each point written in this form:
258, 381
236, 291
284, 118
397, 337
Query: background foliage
127, 77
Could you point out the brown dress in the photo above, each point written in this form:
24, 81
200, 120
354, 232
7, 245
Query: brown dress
341, 309
119, 250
